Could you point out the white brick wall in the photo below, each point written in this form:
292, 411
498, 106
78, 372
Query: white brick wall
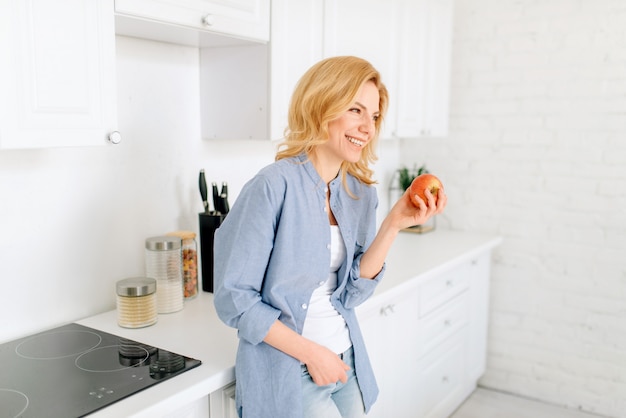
537, 154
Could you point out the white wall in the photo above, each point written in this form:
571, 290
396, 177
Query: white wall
537, 154
73, 221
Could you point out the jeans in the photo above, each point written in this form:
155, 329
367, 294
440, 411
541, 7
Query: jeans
337, 400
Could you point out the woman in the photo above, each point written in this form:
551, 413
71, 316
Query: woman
299, 251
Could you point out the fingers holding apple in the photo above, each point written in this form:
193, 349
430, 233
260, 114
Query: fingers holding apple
419, 203
427, 190
423, 183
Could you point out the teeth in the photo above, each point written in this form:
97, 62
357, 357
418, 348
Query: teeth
355, 141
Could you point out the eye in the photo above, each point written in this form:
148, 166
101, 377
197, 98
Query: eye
376, 117
355, 110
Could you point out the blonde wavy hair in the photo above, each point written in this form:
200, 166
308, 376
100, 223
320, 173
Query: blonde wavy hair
323, 94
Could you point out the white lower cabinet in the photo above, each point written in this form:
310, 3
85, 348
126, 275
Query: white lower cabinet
427, 342
197, 409
388, 326
442, 378
222, 403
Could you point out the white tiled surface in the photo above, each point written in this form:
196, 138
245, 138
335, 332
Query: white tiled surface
485, 403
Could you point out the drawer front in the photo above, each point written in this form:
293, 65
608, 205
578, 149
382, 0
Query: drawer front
442, 378
442, 288
444, 321
247, 18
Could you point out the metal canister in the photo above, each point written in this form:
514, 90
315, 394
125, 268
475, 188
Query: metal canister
136, 302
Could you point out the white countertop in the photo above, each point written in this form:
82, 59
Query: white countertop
420, 256
197, 332
194, 332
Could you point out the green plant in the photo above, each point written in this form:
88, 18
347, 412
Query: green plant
406, 176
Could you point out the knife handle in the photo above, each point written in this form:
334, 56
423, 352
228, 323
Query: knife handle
224, 199
216, 197
203, 191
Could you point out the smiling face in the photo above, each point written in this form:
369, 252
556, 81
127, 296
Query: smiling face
353, 130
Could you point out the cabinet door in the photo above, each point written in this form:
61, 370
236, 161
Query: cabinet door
390, 330
58, 73
479, 272
424, 68
196, 409
241, 18
296, 44
222, 403
367, 29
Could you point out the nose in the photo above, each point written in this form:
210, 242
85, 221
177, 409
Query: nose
368, 125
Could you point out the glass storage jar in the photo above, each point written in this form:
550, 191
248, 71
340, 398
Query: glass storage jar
164, 263
190, 262
136, 302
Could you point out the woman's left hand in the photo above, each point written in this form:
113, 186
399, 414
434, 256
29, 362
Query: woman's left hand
405, 214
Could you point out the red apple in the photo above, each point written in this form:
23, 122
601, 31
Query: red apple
420, 184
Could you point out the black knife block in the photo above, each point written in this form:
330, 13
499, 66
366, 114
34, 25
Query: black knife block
208, 225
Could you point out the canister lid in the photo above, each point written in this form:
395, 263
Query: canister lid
185, 235
163, 243
136, 286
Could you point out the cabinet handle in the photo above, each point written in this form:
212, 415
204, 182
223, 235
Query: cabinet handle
208, 20
387, 310
447, 323
445, 379
449, 283
115, 137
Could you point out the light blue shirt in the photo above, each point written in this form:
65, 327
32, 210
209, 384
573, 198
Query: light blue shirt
271, 252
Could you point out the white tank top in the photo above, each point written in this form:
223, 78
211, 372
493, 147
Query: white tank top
323, 324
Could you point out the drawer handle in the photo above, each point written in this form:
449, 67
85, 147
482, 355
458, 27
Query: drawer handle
447, 322
387, 310
449, 283
445, 379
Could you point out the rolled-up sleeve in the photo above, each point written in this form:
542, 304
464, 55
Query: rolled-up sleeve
359, 289
242, 246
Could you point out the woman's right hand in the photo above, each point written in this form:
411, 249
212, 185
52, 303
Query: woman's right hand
325, 367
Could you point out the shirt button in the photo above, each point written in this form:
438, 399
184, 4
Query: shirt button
328, 246
321, 283
304, 306
325, 189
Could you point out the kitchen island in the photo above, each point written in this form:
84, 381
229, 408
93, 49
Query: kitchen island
434, 293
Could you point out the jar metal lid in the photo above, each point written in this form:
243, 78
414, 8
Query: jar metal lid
185, 235
136, 286
163, 243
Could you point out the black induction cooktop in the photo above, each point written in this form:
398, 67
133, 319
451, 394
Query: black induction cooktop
73, 370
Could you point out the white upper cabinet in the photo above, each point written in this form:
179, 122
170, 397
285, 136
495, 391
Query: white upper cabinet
187, 20
296, 44
58, 73
425, 45
367, 29
255, 82
409, 42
